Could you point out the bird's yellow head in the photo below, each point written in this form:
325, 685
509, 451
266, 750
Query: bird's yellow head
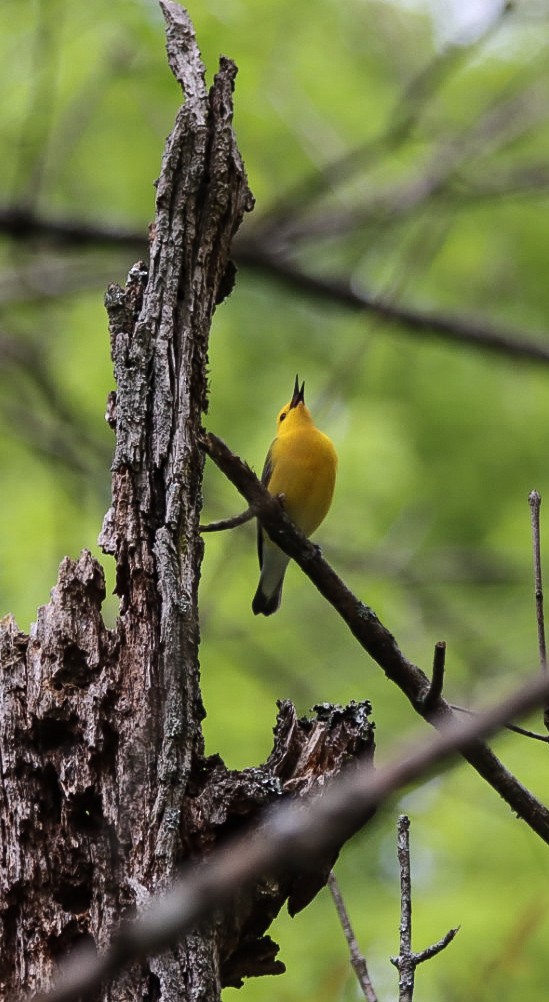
294, 413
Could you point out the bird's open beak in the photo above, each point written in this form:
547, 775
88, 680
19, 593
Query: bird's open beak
299, 394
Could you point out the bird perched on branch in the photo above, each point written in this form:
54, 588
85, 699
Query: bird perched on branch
301, 466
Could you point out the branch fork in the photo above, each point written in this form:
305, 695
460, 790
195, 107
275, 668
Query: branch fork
407, 959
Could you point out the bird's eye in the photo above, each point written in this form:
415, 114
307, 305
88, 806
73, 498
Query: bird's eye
283, 415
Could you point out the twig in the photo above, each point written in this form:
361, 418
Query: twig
228, 523
407, 960
508, 727
431, 951
534, 500
368, 630
437, 678
288, 835
358, 961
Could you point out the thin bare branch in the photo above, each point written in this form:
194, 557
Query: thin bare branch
358, 961
534, 500
228, 523
461, 330
253, 254
431, 951
407, 960
508, 727
289, 834
437, 678
368, 630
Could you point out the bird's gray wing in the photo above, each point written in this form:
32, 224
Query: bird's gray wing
265, 478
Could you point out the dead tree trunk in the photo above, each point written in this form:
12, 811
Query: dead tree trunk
105, 789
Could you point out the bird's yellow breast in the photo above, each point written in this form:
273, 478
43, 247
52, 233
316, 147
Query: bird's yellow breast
304, 465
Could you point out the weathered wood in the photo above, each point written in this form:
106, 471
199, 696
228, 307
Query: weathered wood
100, 728
105, 789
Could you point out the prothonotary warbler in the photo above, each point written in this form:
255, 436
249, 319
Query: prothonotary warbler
301, 465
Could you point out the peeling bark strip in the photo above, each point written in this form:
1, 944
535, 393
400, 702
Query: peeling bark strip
104, 786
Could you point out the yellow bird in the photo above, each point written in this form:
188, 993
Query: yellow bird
301, 465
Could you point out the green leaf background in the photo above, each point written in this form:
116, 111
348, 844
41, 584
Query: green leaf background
446, 203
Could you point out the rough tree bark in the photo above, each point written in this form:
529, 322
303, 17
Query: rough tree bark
105, 787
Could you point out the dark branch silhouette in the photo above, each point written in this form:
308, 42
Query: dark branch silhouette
534, 500
23, 225
437, 678
523, 731
229, 523
254, 254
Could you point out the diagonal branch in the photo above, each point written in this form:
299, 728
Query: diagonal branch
358, 961
371, 634
342, 291
23, 225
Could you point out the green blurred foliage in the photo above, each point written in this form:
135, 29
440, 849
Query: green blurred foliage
442, 208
